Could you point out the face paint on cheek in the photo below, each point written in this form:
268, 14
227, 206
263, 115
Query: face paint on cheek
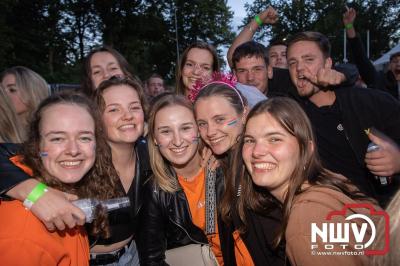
158, 145
232, 122
195, 139
43, 154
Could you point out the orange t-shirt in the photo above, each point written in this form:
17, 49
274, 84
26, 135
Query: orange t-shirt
242, 255
24, 240
195, 192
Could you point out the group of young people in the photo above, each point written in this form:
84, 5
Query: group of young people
215, 173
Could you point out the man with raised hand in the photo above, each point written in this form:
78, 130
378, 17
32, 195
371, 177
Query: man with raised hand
341, 116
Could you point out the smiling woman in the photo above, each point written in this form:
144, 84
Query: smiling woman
179, 198
220, 113
123, 106
282, 165
65, 136
101, 64
198, 62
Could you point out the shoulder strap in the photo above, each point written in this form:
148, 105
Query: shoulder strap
144, 161
210, 200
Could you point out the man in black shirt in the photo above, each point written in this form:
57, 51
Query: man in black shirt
388, 81
341, 116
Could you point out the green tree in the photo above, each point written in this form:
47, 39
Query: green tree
53, 36
379, 17
145, 33
80, 23
36, 39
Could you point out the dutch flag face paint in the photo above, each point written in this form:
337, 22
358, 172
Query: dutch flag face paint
232, 122
195, 139
43, 154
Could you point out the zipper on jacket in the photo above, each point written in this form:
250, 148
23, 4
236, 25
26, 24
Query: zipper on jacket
186, 232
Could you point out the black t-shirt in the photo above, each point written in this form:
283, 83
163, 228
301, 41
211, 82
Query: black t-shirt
334, 148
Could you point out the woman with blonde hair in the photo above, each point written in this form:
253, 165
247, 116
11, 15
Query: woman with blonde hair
181, 201
26, 89
10, 128
388, 238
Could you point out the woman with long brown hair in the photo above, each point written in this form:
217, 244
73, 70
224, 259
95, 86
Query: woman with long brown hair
281, 165
122, 104
66, 149
198, 62
221, 111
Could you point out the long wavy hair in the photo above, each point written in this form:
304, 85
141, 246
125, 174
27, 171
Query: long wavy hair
308, 169
87, 83
10, 127
180, 87
161, 167
101, 181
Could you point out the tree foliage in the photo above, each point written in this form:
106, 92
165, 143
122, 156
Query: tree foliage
381, 18
53, 36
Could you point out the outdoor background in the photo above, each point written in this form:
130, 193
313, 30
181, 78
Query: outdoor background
53, 36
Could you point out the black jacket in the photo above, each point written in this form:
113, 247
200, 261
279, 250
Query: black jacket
166, 223
374, 79
10, 175
361, 109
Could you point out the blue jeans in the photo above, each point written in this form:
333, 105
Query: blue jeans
129, 258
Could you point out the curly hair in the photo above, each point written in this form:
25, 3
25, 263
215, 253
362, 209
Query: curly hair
101, 181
